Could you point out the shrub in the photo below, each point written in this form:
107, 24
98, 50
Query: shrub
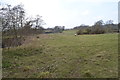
94, 30
87, 31
84, 31
79, 32
99, 31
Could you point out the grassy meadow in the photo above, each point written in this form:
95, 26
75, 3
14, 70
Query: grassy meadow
63, 55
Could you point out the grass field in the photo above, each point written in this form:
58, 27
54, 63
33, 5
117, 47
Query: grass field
63, 55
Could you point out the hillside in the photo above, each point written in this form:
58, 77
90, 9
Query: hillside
63, 55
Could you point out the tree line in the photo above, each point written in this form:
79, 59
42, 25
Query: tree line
15, 26
98, 28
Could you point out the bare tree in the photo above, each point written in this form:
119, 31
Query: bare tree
16, 26
109, 22
12, 20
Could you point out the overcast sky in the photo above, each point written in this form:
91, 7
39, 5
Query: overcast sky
69, 13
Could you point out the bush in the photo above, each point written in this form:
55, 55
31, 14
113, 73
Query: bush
98, 31
87, 31
84, 31
9, 41
94, 30
79, 32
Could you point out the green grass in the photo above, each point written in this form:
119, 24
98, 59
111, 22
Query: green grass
64, 55
70, 32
